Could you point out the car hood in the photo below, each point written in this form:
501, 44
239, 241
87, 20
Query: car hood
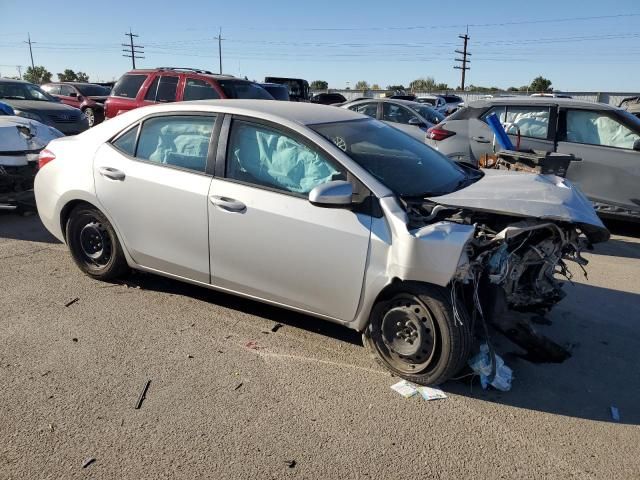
20, 137
529, 195
38, 106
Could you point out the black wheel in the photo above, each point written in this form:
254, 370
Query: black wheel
94, 245
415, 335
91, 116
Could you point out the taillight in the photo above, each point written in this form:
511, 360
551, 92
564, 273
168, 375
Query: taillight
45, 157
438, 133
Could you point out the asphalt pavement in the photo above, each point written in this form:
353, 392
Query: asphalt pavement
232, 398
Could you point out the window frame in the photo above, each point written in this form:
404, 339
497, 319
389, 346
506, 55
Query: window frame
211, 151
562, 126
553, 118
223, 150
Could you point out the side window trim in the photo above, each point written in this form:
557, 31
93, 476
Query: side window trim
212, 147
223, 150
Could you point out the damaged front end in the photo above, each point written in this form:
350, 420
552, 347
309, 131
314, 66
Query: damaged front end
514, 264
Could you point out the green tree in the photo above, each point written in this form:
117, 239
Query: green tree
540, 84
425, 84
375, 86
319, 85
513, 89
82, 77
37, 74
396, 88
441, 87
362, 85
67, 76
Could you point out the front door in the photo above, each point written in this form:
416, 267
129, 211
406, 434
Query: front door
268, 241
156, 189
609, 169
69, 96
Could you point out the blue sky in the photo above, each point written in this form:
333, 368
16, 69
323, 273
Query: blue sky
380, 42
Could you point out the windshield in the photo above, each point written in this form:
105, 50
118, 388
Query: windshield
24, 91
93, 90
428, 113
405, 165
237, 89
279, 92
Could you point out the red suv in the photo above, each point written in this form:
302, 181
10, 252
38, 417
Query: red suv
88, 97
138, 88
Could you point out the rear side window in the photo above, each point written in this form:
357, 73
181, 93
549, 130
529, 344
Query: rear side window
126, 143
128, 86
195, 89
530, 121
52, 89
239, 89
180, 141
369, 109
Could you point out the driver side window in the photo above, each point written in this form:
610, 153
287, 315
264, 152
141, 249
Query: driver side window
266, 157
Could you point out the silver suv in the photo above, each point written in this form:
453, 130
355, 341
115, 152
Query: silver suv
606, 139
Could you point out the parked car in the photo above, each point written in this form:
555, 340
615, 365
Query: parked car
445, 104
88, 97
30, 101
317, 209
277, 91
328, 98
404, 96
551, 95
298, 87
410, 117
606, 139
21, 140
138, 88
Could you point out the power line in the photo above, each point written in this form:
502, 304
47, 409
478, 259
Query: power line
132, 49
463, 60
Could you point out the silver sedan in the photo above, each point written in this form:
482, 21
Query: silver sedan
316, 209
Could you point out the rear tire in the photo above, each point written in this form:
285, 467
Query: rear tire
94, 244
414, 334
91, 116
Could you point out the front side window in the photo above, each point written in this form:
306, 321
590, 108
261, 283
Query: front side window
128, 86
396, 113
266, 157
370, 109
66, 90
179, 141
195, 89
596, 128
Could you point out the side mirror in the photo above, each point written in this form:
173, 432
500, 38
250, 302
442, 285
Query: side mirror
416, 121
636, 145
334, 194
73, 94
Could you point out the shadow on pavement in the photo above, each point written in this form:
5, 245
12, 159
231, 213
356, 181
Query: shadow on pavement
251, 307
28, 228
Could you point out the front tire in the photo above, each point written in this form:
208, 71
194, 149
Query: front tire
94, 244
415, 335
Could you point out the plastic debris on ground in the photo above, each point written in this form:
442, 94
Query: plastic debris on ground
615, 413
404, 388
431, 393
494, 373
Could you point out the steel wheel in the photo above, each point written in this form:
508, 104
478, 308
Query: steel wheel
95, 243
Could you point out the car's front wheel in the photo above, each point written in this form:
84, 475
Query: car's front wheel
94, 245
416, 335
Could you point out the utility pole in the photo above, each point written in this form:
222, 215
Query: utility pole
131, 48
463, 60
30, 50
219, 38
19, 68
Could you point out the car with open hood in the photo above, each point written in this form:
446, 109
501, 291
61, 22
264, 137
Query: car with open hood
320, 210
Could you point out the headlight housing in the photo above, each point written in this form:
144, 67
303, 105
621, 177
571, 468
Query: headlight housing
30, 115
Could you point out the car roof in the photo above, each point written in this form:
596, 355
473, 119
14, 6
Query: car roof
12, 80
408, 103
566, 102
147, 71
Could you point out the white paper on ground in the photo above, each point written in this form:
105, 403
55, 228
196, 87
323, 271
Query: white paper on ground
405, 388
430, 393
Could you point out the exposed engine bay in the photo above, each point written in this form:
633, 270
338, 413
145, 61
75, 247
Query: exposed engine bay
511, 264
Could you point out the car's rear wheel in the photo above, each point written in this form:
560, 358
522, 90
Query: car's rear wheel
91, 116
94, 245
415, 334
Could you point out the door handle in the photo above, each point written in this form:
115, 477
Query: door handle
112, 173
228, 204
481, 139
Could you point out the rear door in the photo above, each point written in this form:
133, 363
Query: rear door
609, 170
268, 240
163, 89
154, 180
